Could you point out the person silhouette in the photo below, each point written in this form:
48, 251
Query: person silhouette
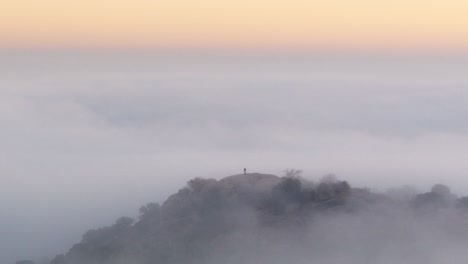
245, 171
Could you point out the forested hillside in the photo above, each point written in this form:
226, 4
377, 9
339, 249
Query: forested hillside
259, 218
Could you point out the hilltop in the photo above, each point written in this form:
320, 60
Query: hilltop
261, 218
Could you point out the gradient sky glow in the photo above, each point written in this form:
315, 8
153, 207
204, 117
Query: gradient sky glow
342, 24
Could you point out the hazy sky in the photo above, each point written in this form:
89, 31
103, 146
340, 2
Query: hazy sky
242, 24
88, 137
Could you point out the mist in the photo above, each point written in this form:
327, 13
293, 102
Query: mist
261, 218
88, 137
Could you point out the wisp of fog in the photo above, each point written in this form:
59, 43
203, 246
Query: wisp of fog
90, 136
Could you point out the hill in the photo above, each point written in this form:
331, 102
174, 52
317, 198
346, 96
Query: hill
261, 218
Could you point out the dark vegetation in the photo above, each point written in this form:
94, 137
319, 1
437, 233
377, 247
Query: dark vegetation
204, 221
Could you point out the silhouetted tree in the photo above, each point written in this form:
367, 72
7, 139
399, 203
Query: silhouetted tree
59, 259
292, 173
462, 204
439, 197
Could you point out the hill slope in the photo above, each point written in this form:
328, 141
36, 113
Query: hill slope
260, 218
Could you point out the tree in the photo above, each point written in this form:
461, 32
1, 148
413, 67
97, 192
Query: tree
441, 190
59, 259
289, 188
439, 197
198, 185
150, 218
462, 204
122, 224
329, 178
342, 189
149, 210
292, 173
325, 191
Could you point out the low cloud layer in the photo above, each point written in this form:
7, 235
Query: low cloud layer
88, 137
259, 218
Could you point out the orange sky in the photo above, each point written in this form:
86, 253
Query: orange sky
295, 24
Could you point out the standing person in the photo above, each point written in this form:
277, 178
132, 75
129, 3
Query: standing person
245, 171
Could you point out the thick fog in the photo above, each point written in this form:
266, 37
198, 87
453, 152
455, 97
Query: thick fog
87, 137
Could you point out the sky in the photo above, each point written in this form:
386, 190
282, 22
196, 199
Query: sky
244, 24
106, 105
